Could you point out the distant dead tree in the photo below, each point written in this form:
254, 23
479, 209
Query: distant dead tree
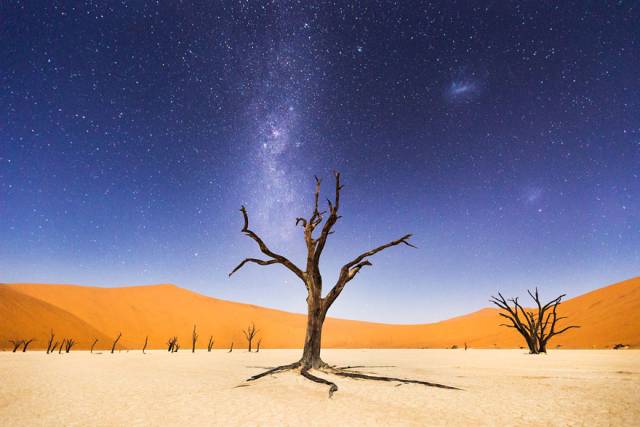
95, 341
250, 334
53, 347
113, 347
62, 344
25, 344
210, 344
68, 345
172, 345
16, 344
144, 347
194, 339
317, 304
536, 327
50, 342
230, 348
258, 345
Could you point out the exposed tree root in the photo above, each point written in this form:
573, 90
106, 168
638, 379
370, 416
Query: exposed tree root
361, 376
275, 370
361, 366
343, 372
332, 386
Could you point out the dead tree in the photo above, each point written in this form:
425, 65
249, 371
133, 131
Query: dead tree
310, 276
50, 342
536, 327
16, 344
95, 341
230, 348
210, 344
144, 347
194, 339
70, 343
171, 344
62, 344
53, 347
113, 347
250, 334
25, 344
258, 346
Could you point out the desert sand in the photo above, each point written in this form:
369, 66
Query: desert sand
607, 316
499, 387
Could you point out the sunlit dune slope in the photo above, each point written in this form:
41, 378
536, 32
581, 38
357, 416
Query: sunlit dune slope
25, 317
607, 316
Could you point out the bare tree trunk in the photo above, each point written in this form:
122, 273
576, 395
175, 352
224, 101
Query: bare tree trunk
113, 347
64, 340
54, 346
231, 348
313, 339
95, 341
144, 347
26, 344
194, 339
210, 344
16, 344
50, 343
258, 346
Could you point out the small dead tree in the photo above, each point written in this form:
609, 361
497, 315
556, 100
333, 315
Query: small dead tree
95, 341
194, 339
230, 348
144, 347
171, 344
311, 278
113, 347
50, 342
250, 334
16, 344
26, 344
210, 344
69, 344
53, 347
62, 344
536, 327
258, 345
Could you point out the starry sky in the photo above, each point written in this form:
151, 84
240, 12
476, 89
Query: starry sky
505, 136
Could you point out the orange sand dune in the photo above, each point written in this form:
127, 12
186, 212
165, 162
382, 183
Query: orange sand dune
25, 317
607, 316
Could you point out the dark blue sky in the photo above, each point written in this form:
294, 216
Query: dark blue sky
505, 136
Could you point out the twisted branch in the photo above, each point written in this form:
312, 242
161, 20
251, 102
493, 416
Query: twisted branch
275, 258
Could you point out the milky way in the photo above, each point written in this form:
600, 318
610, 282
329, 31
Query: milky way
505, 136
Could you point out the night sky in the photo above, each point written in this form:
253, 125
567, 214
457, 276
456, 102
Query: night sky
505, 136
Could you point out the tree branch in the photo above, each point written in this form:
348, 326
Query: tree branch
255, 260
349, 270
331, 221
277, 258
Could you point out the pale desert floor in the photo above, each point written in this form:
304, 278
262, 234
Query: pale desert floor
565, 387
